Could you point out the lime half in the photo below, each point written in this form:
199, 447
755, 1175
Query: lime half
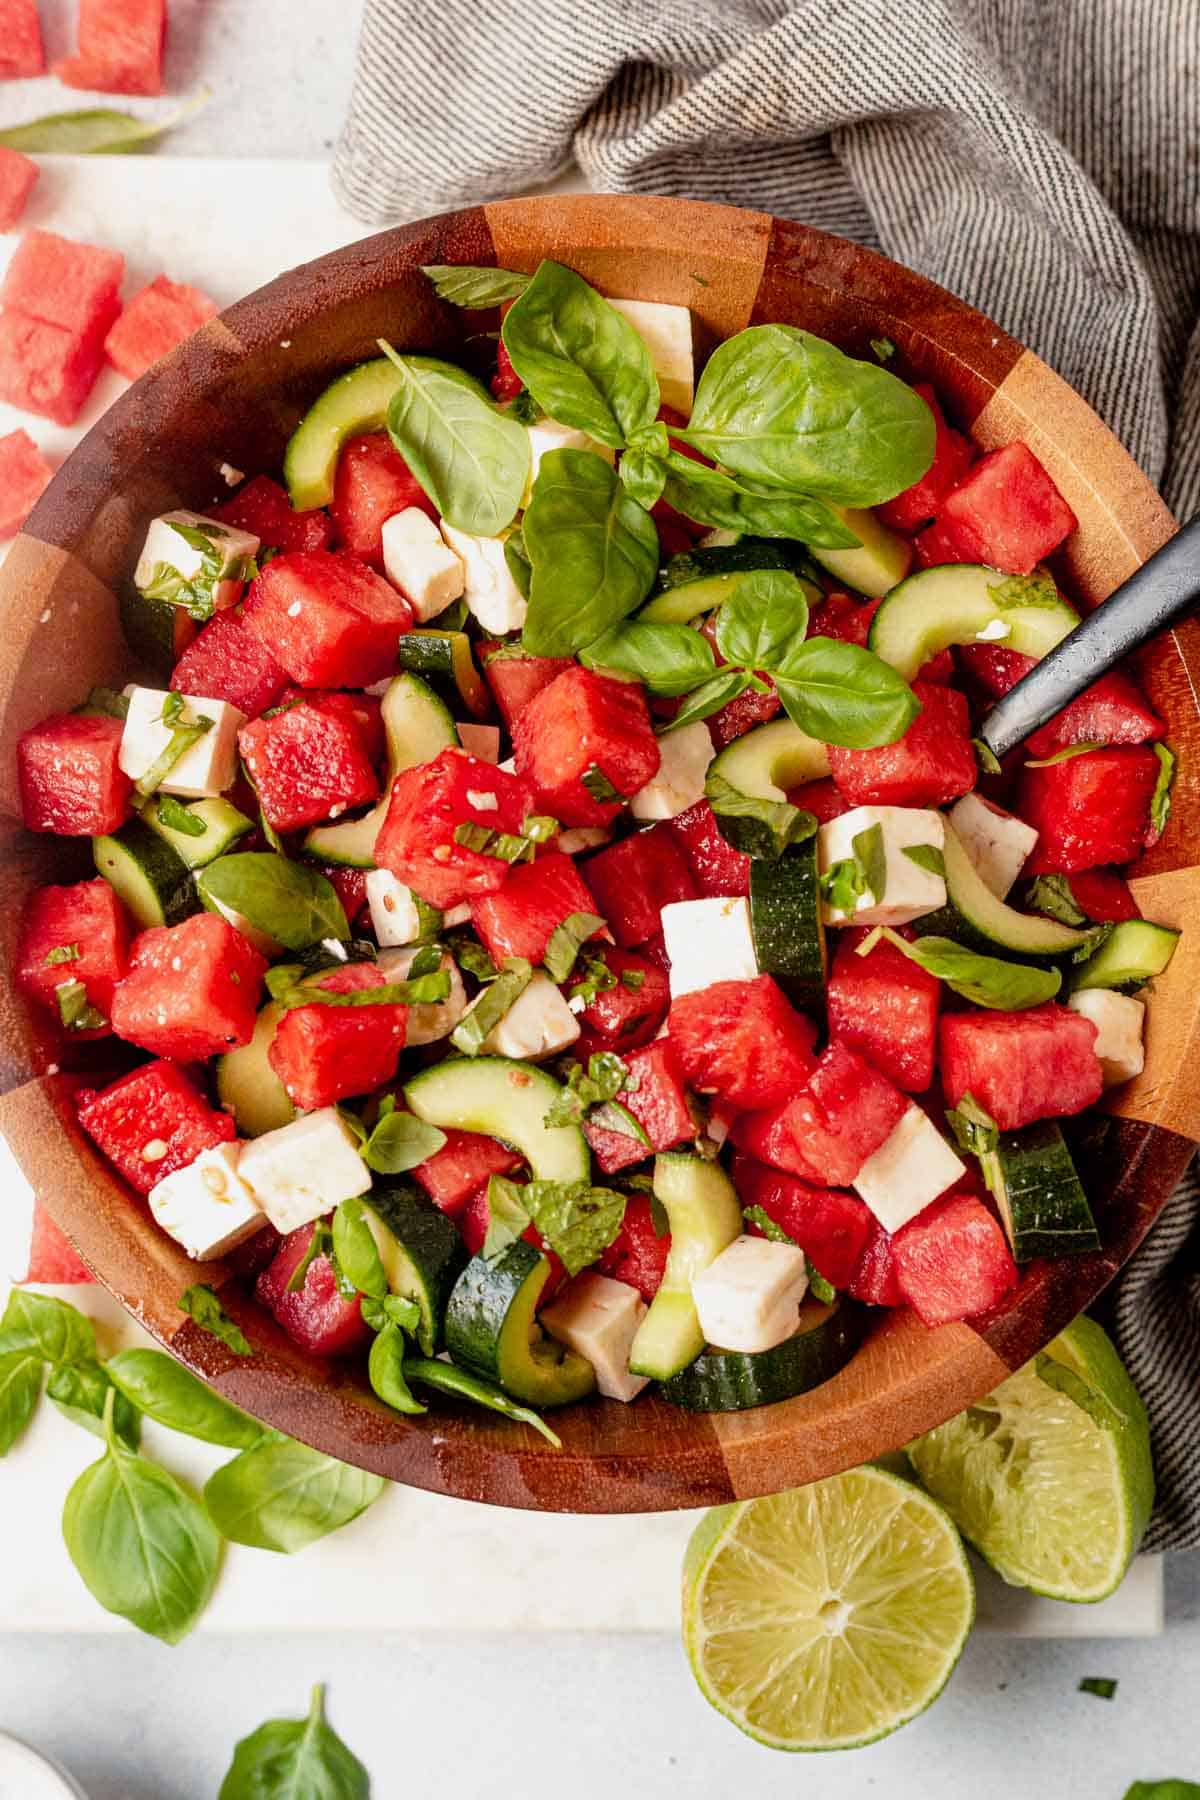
824, 1618
1050, 1477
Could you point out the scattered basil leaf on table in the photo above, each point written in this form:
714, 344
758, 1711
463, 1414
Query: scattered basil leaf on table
715, 498
592, 549
296, 1759
763, 621
582, 361
281, 1495
1160, 800
843, 694
172, 1396
20, 1390
643, 476
451, 1380
473, 287
80, 1391
759, 828
987, 980
357, 1252
399, 1142
470, 458
709, 698
292, 903
201, 1304
385, 1371
667, 659
50, 1328
95, 131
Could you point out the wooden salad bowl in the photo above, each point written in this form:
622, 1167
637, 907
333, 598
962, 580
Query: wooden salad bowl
232, 394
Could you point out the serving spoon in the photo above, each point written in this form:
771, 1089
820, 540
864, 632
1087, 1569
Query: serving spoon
1162, 593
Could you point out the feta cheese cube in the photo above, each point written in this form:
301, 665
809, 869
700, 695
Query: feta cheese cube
207, 1207
579, 838
909, 890
432, 1019
166, 547
679, 783
707, 941
302, 1171
1120, 1021
538, 1024
749, 1298
482, 741
549, 435
203, 771
910, 1168
997, 843
417, 558
598, 1319
491, 594
666, 331
395, 917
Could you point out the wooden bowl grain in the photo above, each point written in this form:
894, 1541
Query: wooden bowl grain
232, 394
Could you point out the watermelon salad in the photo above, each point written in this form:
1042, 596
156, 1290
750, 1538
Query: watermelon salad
551, 926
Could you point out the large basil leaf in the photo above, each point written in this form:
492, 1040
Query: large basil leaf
172, 1396
280, 1495
471, 459
765, 617
20, 1388
292, 903
581, 360
399, 1142
80, 1391
668, 659
780, 406
296, 1759
986, 980
356, 1252
593, 551
51, 1329
474, 287
714, 498
842, 694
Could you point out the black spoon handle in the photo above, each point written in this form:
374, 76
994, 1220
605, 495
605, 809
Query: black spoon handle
1161, 594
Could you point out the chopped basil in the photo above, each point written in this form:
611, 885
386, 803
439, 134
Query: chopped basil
539, 828
926, 856
491, 1005
76, 1010
710, 697
758, 1215
986, 757
1160, 800
659, 1217
566, 941
986, 980
471, 956
1060, 756
612, 1115
264, 824
858, 876
1103, 1686
201, 1304
196, 593
102, 700
883, 348
818, 1287
515, 555
61, 953
294, 904
504, 845
599, 786
598, 978
425, 990
427, 961
974, 1129
175, 817
474, 288
633, 979
605, 1077
1052, 896
759, 828
186, 730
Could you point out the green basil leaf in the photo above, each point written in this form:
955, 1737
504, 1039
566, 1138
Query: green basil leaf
75, 1010
986, 980
599, 786
1164, 1790
20, 1390
1051, 895
392, 1310
1025, 590
385, 1371
784, 407
566, 941
605, 1077
80, 1391
757, 827
974, 1128
474, 288
427, 961
725, 686
356, 1250
667, 659
61, 953
281, 1495
174, 816
1061, 756
842, 887
161, 1388
489, 1007
201, 1304
399, 1142
1160, 800
593, 551
470, 458
927, 857
871, 857
292, 903
986, 757
643, 476
516, 558
95, 130
577, 1220
614, 1115
525, 409
50, 1328
1103, 1686
633, 979
320, 1243
471, 956
425, 990
296, 1759
582, 361
507, 1217
188, 732
763, 620
842, 694
715, 498
102, 700
456, 1382
598, 978
883, 348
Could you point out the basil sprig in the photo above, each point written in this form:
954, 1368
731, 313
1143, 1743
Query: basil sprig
301, 1757
593, 553
470, 458
95, 130
474, 288
986, 980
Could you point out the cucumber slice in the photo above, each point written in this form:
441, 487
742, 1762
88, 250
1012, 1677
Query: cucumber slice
976, 916
705, 1216
954, 605
1040, 1196
446, 656
1133, 953
223, 826
881, 558
491, 1326
156, 632
503, 1099
773, 757
732, 1380
417, 725
785, 917
356, 401
698, 580
247, 1085
147, 874
421, 1251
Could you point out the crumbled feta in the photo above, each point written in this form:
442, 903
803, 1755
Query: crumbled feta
482, 741
421, 563
538, 1024
203, 771
207, 1207
997, 843
165, 547
909, 890
231, 476
749, 1298
483, 802
910, 1169
491, 594
684, 756
1120, 1022
303, 1170
394, 913
708, 941
666, 331
432, 1019
598, 1318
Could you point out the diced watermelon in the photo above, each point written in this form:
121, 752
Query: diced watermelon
996, 669
350, 886
742, 714
1090, 809
823, 799
655, 1096
24, 476
262, 506
716, 866
506, 383
831, 1226
21, 50
463, 1165
328, 618
886, 1008
192, 989
534, 899
1021, 1066
743, 1041
152, 1122
373, 482
1005, 511
473, 1223
309, 762
363, 711
1104, 895
637, 1255
324, 1053
826, 1132
428, 803
53, 1258
952, 1261
88, 919
156, 321
848, 620
120, 47
584, 723
61, 282
227, 661
627, 1015
18, 174
316, 1315
46, 370
70, 781
635, 879
952, 454
516, 680
1113, 710
875, 1281
932, 764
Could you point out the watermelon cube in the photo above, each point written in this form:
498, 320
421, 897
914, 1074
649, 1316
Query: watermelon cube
1090, 809
875, 1281
952, 454
995, 669
46, 370
1104, 895
227, 661
585, 724
86, 919
637, 1255
53, 1258
328, 618
932, 764
953, 1261
417, 841
717, 868
156, 320
531, 903
742, 714
516, 680
886, 1008
373, 482
152, 1122
74, 286
1112, 711
310, 761
120, 47
635, 879
506, 383
826, 1132
192, 989
262, 507
628, 1014
1005, 511
743, 1041
464, 1164
655, 1096
21, 50
71, 782
831, 1226
24, 476
18, 174
325, 1053
316, 1315
1021, 1066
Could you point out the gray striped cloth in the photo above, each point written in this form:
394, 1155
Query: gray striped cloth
1040, 158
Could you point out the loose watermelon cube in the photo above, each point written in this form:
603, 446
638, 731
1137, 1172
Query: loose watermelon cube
875, 1281
743, 1041
464, 1164
192, 989
156, 321
316, 1315
637, 1255
953, 1261
1090, 809
21, 50
655, 1096
995, 669
46, 370
428, 804
309, 761
87, 919
373, 482
120, 47
18, 175
325, 1053
53, 1258
61, 282
1005, 511
532, 902
151, 1123
516, 680
952, 456
1104, 895
848, 620
70, 779
585, 724
886, 1008
263, 508
24, 476
1113, 710
228, 662
831, 1226
1021, 1066
717, 868
932, 764
628, 1014
328, 618
826, 1132
823, 799
635, 879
